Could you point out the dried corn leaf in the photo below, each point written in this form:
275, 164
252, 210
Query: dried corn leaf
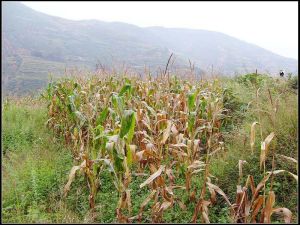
277, 171
174, 130
281, 171
139, 155
197, 171
178, 187
241, 162
180, 145
170, 174
287, 214
196, 165
265, 148
252, 135
166, 132
262, 154
268, 140
250, 180
164, 206
205, 217
293, 175
218, 190
212, 195
72, 177
260, 185
169, 190
181, 204
269, 206
256, 207
147, 200
288, 158
153, 176
204, 211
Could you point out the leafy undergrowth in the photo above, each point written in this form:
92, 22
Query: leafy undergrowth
37, 162
34, 166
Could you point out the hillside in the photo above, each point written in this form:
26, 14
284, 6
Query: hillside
35, 44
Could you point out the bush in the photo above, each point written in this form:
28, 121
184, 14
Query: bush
253, 79
293, 82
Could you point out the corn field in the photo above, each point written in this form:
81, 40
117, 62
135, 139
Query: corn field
161, 129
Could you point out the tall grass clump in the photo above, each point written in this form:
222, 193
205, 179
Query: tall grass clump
34, 166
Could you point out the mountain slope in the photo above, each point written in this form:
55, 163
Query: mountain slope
36, 44
224, 52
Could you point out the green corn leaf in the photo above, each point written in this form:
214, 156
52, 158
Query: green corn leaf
71, 105
191, 121
125, 88
150, 92
118, 102
150, 109
203, 105
128, 155
127, 125
81, 118
191, 101
112, 113
118, 162
102, 117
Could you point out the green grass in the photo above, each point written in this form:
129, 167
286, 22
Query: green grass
225, 167
34, 166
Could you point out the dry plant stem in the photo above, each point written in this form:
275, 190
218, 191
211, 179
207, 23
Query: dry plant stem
274, 128
204, 181
261, 136
165, 72
273, 167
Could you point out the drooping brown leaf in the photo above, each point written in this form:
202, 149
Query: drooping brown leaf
219, 191
170, 175
212, 195
250, 181
204, 211
256, 207
174, 130
277, 171
197, 164
179, 145
146, 201
294, 175
260, 185
153, 176
286, 213
281, 171
166, 132
192, 196
268, 140
287, 158
164, 206
269, 206
72, 177
181, 204
265, 148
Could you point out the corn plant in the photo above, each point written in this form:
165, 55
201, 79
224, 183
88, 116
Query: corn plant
160, 127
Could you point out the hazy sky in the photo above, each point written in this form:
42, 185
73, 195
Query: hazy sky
271, 25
